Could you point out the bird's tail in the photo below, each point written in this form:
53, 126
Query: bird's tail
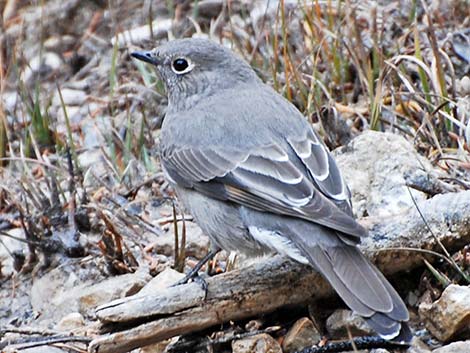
336, 256
361, 286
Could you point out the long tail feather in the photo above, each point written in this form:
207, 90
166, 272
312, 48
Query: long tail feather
360, 284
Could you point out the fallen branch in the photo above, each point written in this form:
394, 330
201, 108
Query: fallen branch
260, 288
31, 342
276, 282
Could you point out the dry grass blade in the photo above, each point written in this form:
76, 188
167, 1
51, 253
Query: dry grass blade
441, 278
180, 246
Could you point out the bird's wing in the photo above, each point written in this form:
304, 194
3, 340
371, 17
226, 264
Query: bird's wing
297, 178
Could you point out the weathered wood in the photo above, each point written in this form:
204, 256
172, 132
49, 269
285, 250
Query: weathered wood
266, 286
260, 288
167, 301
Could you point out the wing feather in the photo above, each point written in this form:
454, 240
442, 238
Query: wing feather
295, 178
322, 169
284, 171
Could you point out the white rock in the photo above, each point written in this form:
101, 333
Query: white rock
71, 322
94, 131
456, 347
70, 96
73, 114
160, 26
163, 280
50, 61
374, 165
89, 297
60, 43
10, 245
10, 100
464, 86
48, 288
59, 292
463, 113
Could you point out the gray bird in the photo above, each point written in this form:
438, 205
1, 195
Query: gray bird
257, 179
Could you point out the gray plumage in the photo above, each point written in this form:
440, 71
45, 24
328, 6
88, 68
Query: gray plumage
257, 179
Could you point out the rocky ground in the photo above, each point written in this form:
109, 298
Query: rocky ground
86, 216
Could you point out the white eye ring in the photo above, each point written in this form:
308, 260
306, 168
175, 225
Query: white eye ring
181, 65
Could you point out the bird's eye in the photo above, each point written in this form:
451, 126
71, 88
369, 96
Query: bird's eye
181, 66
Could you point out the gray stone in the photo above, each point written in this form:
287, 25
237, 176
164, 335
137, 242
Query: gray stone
92, 160
52, 284
163, 280
83, 85
72, 97
71, 322
47, 62
456, 347
60, 292
463, 86
89, 297
210, 8
160, 27
301, 335
60, 43
342, 321
11, 246
375, 165
73, 114
463, 111
10, 100
262, 343
449, 315
94, 130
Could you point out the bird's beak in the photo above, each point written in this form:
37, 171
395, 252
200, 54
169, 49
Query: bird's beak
146, 56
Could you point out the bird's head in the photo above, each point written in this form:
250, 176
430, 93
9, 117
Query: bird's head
196, 68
